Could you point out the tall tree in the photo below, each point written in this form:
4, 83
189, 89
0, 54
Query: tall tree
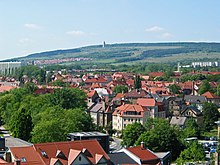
131, 133
205, 87
211, 114
22, 124
137, 82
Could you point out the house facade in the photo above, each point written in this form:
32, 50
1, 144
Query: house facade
128, 114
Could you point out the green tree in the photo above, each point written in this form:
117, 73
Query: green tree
210, 115
205, 87
68, 98
160, 137
191, 129
60, 83
120, 89
22, 124
131, 133
194, 154
137, 82
174, 88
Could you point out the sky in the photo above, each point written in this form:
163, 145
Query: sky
33, 26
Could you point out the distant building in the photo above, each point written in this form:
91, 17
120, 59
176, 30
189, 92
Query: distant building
102, 138
204, 64
9, 67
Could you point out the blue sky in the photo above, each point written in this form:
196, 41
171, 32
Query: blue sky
30, 26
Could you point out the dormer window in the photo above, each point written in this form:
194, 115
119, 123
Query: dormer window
44, 154
23, 159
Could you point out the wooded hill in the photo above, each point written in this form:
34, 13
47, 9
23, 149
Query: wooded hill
136, 52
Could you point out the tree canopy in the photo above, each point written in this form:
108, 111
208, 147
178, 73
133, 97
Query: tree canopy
195, 153
46, 117
131, 133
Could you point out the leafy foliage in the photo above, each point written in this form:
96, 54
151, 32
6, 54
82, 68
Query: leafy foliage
44, 118
120, 89
160, 137
131, 133
195, 153
211, 115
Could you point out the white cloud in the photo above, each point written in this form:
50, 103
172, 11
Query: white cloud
166, 35
154, 29
25, 40
76, 33
33, 26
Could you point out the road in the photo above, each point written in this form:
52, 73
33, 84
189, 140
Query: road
115, 145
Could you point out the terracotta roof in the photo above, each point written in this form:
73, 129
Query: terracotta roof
144, 154
95, 80
46, 153
119, 95
156, 74
91, 93
28, 153
95, 85
210, 95
146, 102
130, 107
6, 88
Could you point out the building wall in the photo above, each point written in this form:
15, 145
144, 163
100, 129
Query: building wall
9, 67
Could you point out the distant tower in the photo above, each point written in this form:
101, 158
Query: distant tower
178, 67
103, 44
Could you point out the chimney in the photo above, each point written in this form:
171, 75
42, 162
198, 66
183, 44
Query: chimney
142, 145
17, 162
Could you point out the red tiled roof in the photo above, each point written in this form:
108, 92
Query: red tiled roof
144, 154
28, 153
95, 80
119, 96
156, 74
43, 153
91, 93
210, 95
146, 102
6, 88
130, 107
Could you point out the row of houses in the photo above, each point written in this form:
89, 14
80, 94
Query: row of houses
81, 152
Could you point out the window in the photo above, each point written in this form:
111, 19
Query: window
124, 125
23, 159
80, 158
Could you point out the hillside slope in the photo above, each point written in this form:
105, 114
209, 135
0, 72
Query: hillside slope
135, 52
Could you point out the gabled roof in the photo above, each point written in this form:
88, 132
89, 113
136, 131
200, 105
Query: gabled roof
145, 155
130, 107
195, 99
73, 154
29, 153
210, 95
43, 153
178, 120
53, 161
